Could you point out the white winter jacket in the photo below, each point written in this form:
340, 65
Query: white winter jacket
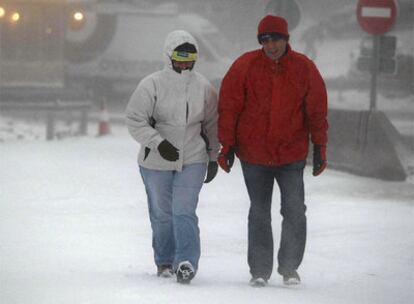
182, 105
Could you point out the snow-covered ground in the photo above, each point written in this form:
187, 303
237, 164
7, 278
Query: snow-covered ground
74, 229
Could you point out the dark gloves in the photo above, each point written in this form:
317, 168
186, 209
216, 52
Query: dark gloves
226, 158
212, 169
168, 151
319, 159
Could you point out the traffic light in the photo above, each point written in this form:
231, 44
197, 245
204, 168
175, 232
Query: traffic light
387, 47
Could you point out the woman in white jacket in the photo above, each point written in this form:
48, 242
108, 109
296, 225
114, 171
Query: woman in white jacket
173, 115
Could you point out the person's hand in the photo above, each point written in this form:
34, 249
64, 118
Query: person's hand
212, 169
226, 158
168, 151
319, 159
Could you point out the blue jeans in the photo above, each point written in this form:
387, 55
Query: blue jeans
172, 202
259, 182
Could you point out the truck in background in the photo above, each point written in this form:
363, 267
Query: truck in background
131, 44
66, 49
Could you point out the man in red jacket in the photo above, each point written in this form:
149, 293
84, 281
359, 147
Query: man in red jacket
272, 101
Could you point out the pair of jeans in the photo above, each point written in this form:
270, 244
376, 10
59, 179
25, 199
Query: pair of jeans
172, 202
259, 181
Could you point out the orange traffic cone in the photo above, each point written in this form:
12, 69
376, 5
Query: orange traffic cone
103, 128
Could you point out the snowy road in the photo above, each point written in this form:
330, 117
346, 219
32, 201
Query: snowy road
74, 229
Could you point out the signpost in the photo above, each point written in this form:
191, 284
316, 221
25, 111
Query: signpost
376, 17
387, 62
2, 16
372, 147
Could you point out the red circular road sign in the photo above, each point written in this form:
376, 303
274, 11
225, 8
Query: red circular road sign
376, 16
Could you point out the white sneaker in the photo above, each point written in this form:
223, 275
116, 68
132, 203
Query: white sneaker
258, 282
165, 271
185, 272
291, 278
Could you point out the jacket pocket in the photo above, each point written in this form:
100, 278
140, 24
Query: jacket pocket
245, 128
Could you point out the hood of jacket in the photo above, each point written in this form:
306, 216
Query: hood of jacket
174, 39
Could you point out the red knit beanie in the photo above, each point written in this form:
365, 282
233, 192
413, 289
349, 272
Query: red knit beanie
272, 24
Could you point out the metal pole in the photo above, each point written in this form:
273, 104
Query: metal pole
374, 72
50, 124
1, 70
83, 127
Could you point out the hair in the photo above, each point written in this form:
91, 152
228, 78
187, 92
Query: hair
276, 36
186, 47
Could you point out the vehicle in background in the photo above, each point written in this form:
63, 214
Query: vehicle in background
96, 48
131, 44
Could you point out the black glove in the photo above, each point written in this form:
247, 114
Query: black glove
211, 171
168, 151
226, 158
319, 159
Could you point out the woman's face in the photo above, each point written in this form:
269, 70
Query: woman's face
183, 65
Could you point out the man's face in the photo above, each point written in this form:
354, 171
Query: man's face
274, 48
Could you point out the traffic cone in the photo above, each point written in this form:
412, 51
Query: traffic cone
104, 127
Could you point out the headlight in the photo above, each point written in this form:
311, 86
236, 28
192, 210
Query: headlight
14, 17
2, 12
77, 20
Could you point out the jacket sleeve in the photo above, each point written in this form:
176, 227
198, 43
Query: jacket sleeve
138, 114
231, 102
210, 122
316, 106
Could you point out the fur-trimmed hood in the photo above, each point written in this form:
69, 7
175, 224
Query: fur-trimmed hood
173, 40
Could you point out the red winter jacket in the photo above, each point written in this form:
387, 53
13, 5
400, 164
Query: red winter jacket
268, 109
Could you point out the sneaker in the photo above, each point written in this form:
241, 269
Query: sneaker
185, 272
291, 278
257, 282
165, 271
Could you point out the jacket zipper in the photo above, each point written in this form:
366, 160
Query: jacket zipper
187, 110
186, 113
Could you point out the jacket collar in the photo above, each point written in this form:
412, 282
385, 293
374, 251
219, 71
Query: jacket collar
183, 77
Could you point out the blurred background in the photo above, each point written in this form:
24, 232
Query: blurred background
63, 63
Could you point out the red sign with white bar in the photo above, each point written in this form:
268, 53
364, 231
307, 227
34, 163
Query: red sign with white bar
376, 16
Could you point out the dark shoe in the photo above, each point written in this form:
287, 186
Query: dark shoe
165, 271
258, 282
185, 272
291, 278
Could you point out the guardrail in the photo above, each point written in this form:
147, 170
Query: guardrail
52, 108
